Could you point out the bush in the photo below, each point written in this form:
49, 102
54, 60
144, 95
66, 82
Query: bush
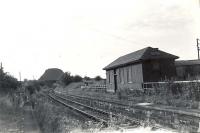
170, 93
7, 82
67, 78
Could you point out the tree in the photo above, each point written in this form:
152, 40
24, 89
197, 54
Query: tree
67, 78
97, 78
77, 78
7, 82
87, 78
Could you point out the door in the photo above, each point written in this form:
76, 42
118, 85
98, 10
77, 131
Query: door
115, 80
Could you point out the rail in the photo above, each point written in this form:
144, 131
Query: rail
140, 113
188, 112
85, 113
94, 113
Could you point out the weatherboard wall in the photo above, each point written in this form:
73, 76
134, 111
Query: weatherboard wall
130, 77
127, 77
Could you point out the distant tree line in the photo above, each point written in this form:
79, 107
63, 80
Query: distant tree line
97, 78
7, 82
68, 78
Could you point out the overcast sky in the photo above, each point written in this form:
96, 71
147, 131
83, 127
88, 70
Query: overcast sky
83, 36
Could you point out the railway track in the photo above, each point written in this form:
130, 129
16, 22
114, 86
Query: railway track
123, 106
113, 106
91, 112
167, 117
116, 108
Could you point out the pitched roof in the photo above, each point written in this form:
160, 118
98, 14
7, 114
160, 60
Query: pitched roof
52, 74
138, 56
187, 62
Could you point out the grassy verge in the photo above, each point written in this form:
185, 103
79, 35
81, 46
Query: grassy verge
186, 95
10, 116
53, 118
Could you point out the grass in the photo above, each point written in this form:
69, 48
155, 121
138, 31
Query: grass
57, 119
186, 95
10, 116
53, 118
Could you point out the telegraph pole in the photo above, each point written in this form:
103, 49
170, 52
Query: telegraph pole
198, 49
20, 76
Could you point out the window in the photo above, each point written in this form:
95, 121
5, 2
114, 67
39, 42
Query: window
122, 75
120, 80
130, 75
127, 74
108, 77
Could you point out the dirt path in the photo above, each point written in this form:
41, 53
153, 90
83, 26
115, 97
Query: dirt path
30, 125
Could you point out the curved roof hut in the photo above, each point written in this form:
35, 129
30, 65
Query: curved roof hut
52, 74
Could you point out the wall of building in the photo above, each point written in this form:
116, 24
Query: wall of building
130, 77
110, 81
158, 70
188, 72
126, 77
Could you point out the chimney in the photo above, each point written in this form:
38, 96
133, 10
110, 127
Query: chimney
155, 49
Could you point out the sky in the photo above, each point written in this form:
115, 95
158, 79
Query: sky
83, 36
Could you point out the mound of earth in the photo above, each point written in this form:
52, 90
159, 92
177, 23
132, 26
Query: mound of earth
52, 74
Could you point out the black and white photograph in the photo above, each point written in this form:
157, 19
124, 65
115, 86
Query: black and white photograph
100, 66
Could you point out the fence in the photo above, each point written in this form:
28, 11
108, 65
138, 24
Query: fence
101, 88
151, 85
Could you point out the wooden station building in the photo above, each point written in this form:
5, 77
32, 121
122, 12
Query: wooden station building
145, 65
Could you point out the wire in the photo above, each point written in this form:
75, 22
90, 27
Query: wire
114, 36
118, 37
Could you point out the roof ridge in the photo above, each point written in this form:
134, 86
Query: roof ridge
138, 56
147, 48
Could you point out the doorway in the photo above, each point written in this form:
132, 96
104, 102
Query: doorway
115, 80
